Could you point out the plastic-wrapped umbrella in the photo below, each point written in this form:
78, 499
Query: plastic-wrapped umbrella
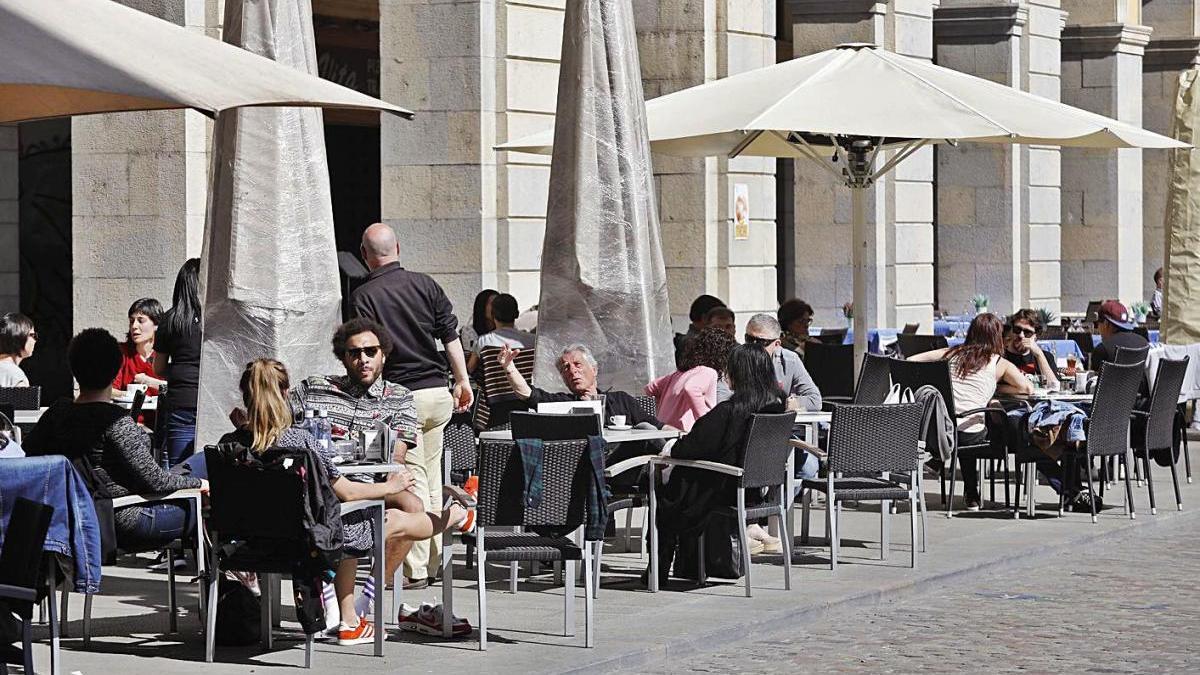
850, 102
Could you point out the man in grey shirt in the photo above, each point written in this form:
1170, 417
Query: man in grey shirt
793, 377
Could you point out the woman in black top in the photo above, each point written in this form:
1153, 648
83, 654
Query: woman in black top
177, 356
688, 499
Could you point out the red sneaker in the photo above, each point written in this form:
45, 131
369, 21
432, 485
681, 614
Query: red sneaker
363, 633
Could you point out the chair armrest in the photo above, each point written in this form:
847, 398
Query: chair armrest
698, 464
812, 449
361, 505
976, 411
625, 465
132, 500
828, 403
1142, 413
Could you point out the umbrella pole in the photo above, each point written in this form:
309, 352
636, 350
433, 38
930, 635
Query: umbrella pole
858, 201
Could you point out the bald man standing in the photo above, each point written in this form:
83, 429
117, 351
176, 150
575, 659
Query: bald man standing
415, 311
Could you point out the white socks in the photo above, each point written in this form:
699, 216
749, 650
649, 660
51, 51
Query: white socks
362, 605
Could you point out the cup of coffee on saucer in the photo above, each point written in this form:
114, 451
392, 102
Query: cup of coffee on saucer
617, 422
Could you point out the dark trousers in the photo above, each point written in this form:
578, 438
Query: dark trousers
180, 434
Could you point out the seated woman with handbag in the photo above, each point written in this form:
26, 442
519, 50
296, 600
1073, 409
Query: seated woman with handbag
113, 454
687, 499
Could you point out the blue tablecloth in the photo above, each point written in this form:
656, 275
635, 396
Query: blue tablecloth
1060, 348
950, 325
877, 338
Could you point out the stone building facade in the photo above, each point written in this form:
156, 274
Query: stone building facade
1028, 226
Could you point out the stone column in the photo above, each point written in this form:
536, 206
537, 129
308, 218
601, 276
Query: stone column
10, 259
1042, 64
1102, 189
1174, 48
139, 192
899, 208
981, 232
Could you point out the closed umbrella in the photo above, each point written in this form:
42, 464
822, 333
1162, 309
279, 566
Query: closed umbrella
76, 57
852, 101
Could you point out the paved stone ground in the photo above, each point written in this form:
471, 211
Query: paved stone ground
1126, 606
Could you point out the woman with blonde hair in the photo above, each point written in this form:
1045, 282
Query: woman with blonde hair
264, 386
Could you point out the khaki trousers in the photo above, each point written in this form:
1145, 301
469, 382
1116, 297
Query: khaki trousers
434, 407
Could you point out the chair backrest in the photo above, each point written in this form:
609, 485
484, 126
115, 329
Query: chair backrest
1164, 401
1092, 313
910, 329
501, 500
1084, 340
22, 398
765, 454
459, 440
911, 345
1127, 355
1116, 391
648, 405
833, 336
875, 438
252, 501
554, 427
874, 380
24, 541
831, 368
495, 382
1054, 333
916, 374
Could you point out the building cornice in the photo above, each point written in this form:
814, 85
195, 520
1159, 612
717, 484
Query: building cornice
1176, 53
980, 20
831, 8
1105, 38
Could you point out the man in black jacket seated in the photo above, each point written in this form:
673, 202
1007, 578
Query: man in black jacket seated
578, 369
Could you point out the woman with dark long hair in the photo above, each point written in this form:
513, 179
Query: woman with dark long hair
177, 358
688, 499
481, 324
977, 369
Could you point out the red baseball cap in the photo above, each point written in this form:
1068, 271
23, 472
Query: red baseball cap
1116, 314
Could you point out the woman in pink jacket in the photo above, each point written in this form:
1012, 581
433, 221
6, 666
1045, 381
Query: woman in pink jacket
686, 394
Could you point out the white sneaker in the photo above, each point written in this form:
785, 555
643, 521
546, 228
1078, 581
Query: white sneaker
756, 531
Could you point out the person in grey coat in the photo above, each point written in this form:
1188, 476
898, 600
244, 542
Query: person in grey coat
790, 373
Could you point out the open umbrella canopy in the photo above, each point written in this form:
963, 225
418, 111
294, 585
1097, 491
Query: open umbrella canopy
76, 57
862, 90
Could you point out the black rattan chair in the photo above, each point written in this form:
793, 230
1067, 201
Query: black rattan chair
911, 329
629, 500
911, 345
553, 426
833, 336
566, 476
1108, 428
874, 380
764, 465
866, 444
1159, 423
832, 370
21, 398
915, 374
648, 405
21, 568
1127, 355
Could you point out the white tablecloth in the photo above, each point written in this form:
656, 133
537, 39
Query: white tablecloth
1191, 381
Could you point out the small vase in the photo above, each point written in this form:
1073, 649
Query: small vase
981, 310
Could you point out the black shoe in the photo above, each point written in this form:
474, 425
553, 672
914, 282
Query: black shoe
972, 503
415, 584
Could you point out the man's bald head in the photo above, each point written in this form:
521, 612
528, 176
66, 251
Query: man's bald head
379, 246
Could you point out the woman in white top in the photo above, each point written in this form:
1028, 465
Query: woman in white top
17, 340
977, 371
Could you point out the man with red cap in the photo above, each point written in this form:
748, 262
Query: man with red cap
1115, 327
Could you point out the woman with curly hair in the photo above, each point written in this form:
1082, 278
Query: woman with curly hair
689, 392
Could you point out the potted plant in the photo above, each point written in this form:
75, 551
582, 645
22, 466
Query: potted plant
1140, 311
1046, 317
848, 312
981, 303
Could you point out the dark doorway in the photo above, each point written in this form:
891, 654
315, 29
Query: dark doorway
45, 242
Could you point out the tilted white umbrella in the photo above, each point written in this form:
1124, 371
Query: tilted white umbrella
857, 99
76, 57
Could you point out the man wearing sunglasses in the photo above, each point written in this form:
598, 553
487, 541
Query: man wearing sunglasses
1022, 350
764, 330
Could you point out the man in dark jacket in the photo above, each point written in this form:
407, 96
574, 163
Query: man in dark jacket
1116, 330
417, 315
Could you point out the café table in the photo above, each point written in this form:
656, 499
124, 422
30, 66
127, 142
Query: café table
610, 435
1061, 349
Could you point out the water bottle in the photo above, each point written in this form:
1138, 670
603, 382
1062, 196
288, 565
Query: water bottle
309, 424
324, 430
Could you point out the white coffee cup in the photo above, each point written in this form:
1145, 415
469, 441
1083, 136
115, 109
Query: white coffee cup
1081, 381
617, 420
134, 387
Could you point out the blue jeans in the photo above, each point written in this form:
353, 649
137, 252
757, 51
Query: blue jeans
181, 434
156, 526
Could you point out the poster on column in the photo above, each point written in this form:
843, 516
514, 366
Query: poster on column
741, 211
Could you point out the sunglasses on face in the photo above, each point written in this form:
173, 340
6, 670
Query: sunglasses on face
33, 335
760, 341
369, 351
1024, 332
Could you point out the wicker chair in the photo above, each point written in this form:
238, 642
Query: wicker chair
911, 345
498, 400
21, 574
566, 480
866, 444
648, 405
832, 370
1159, 424
628, 501
554, 427
764, 465
874, 380
21, 398
1127, 355
1108, 428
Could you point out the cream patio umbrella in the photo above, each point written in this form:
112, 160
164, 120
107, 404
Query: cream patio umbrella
850, 102
76, 57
